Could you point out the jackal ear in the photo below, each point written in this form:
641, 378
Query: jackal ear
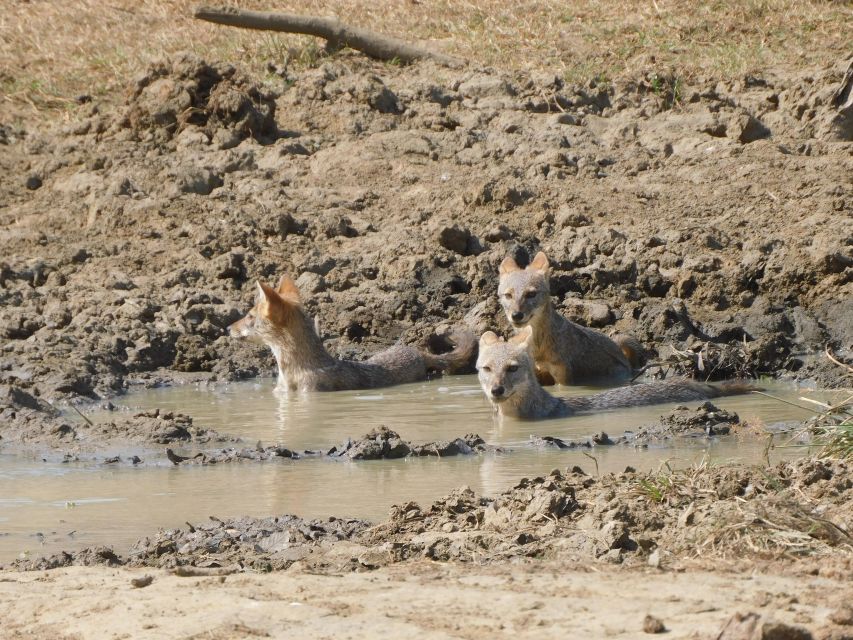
508, 266
267, 296
262, 292
488, 339
540, 262
265, 292
524, 337
288, 290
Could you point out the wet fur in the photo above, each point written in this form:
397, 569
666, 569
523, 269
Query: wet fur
507, 366
279, 321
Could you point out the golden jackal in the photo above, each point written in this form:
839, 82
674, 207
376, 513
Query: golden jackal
279, 321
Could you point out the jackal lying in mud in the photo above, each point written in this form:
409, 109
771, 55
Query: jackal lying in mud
505, 370
565, 352
279, 321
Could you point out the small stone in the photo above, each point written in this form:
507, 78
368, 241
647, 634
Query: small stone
614, 556
615, 534
33, 182
655, 559
842, 615
142, 582
653, 625
498, 233
374, 558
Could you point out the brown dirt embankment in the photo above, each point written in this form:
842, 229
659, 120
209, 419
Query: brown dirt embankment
714, 221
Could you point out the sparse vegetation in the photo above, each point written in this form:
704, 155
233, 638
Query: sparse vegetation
51, 52
832, 430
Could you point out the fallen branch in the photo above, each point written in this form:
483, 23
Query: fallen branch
204, 572
336, 33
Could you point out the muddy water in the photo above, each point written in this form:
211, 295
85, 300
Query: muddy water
48, 505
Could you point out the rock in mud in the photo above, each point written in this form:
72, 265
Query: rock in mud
14, 398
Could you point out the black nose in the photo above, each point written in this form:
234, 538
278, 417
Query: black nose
517, 316
497, 392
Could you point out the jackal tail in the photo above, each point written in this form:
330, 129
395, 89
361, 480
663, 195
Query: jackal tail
635, 352
460, 358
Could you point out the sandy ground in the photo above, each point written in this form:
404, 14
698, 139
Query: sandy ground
418, 600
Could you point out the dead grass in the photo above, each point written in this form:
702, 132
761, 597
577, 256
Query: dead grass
51, 51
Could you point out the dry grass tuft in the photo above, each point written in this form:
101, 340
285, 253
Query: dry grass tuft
51, 52
832, 430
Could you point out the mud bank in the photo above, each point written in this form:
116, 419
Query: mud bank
801, 510
713, 224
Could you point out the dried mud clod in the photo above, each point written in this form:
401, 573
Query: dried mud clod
383, 443
231, 454
706, 420
187, 91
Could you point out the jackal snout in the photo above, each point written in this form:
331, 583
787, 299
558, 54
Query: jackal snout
244, 327
524, 293
504, 367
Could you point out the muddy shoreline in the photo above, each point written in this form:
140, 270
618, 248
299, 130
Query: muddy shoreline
799, 509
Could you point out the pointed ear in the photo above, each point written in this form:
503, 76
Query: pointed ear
262, 291
488, 339
540, 262
524, 337
508, 266
287, 289
266, 297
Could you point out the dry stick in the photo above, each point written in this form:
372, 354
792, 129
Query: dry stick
188, 571
595, 460
778, 399
80, 413
335, 32
829, 354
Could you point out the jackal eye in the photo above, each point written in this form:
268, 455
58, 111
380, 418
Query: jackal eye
508, 295
512, 368
486, 369
530, 294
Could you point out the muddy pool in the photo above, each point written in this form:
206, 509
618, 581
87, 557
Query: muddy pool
47, 505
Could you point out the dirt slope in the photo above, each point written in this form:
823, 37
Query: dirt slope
714, 218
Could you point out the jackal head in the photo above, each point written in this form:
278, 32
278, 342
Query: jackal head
524, 293
505, 368
275, 310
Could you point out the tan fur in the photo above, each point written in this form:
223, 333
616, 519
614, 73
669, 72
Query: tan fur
633, 349
564, 352
279, 321
507, 377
